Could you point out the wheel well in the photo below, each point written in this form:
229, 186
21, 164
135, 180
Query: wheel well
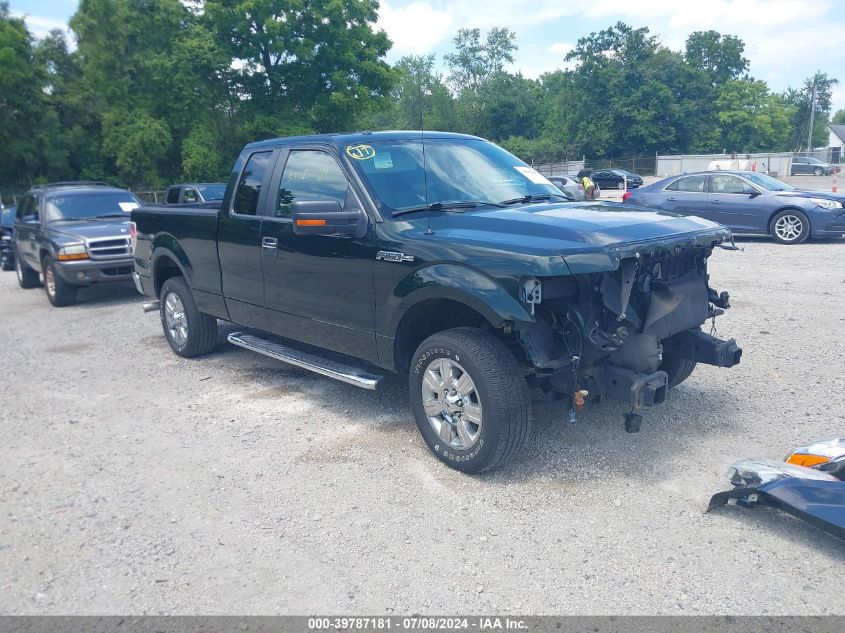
774, 213
41, 254
427, 318
165, 268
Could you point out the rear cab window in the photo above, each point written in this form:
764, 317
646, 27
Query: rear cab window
248, 191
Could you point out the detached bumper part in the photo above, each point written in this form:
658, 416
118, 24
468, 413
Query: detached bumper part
808, 494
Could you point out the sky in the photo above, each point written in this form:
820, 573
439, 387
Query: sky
785, 40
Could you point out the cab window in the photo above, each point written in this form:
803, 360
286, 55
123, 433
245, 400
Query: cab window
730, 184
690, 184
249, 186
173, 195
28, 210
190, 195
310, 175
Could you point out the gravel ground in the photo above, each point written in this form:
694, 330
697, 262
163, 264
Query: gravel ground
134, 481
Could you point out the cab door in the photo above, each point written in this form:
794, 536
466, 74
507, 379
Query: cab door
686, 196
318, 289
239, 239
27, 227
734, 202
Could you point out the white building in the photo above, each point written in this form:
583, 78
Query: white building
836, 143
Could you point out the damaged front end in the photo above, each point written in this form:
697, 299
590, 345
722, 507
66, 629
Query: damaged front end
629, 332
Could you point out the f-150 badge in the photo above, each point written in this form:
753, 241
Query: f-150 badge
389, 256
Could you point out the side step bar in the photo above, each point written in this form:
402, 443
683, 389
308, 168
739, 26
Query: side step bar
307, 360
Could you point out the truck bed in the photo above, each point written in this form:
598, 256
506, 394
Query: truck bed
188, 233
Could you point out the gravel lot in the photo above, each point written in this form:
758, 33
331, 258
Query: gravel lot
134, 481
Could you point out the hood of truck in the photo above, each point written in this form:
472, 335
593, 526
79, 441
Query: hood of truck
591, 236
92, 229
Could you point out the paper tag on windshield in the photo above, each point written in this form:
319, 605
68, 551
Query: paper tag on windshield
383, 161
128, 206
533, 175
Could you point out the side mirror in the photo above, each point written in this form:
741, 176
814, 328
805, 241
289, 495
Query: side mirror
754, 193
325, 217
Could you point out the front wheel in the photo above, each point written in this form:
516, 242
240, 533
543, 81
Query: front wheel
818, 171
790, 227
27, 278
188, 331
59, 292
469, 398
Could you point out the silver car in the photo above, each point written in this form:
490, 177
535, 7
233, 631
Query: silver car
571, 187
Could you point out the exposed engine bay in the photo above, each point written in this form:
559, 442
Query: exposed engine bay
629, 334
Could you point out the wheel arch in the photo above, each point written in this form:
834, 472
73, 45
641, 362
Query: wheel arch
442, 297
166, 264
789, 207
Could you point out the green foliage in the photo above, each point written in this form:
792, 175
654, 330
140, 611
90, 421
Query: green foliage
158, 91
839, 117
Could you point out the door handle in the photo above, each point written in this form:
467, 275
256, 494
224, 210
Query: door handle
671, 198
715, 202
269, 242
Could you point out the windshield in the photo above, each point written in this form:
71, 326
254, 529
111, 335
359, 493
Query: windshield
7, 217
767, 182
212, 192
80, 206
465, 170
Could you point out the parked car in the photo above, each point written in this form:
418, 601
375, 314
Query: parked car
571, 187
459, 266
810, 165
749, 203
615, 179
7, 232
191, 193
73, 234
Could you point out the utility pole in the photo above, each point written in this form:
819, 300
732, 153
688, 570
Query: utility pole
812, 116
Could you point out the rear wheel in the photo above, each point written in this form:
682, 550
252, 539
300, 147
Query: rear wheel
59, 292
620, 185
790, 227
27, 278
188, 331
469, 398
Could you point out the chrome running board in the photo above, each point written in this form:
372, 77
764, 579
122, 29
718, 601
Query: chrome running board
307, 360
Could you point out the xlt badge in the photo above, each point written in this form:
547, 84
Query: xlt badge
390, 256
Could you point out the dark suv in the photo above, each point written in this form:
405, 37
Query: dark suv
7, 231
74, 234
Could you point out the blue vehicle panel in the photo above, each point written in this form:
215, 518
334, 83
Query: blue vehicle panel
748, 203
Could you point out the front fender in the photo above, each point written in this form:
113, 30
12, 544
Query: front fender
458, 283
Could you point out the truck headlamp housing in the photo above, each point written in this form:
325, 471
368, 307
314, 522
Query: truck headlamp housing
72, 252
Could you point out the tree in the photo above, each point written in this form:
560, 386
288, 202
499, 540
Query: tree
718, 56
821, 85
751, 118
22, 108
474, 61
839, 117
314, 62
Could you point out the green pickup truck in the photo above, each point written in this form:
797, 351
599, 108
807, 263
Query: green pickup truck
443, 257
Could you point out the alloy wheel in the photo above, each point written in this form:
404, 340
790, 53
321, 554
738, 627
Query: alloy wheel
789, 227
452, 403
50, 281
175, 319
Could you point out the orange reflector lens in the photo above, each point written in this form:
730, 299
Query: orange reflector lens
310, 223
802, 459
65, 258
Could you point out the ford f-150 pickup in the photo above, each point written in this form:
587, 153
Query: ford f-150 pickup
446, 258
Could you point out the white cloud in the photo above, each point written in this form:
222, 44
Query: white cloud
415, 28
39, 25
561, 48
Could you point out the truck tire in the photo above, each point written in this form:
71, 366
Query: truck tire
188, 331
790, 226
469, 398
677, 369
59, 292
27, 278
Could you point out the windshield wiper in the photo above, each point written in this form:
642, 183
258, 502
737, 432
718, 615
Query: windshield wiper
445, 206
111, 215
534, 197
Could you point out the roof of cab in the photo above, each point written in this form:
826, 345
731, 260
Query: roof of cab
355, 138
